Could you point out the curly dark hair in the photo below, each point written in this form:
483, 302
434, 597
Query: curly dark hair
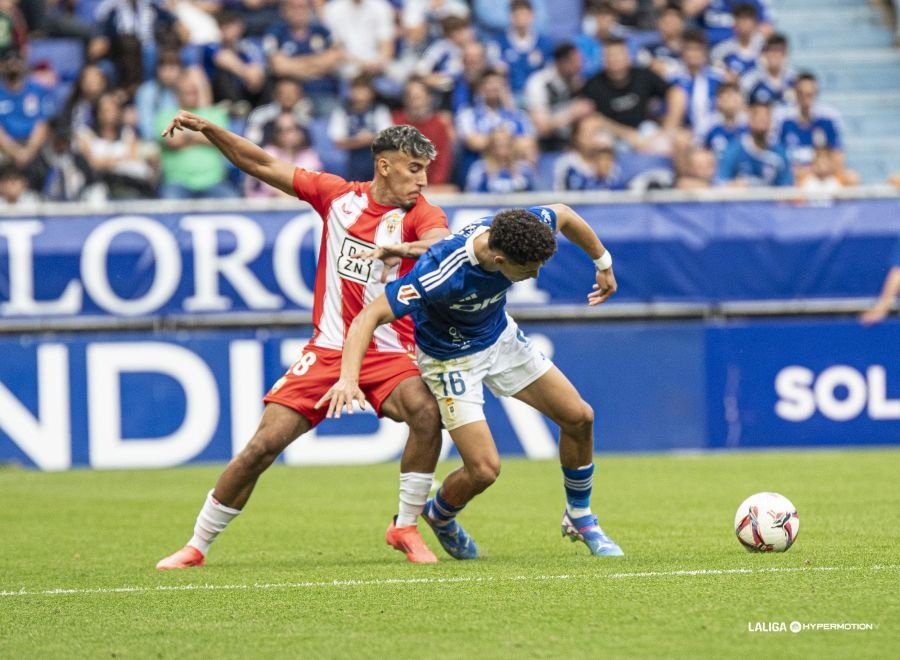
521, 236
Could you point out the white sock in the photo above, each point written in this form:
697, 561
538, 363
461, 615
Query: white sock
414, 489
578, 512
212, 520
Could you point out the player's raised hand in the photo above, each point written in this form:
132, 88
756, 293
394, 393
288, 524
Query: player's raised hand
388, 255
606, 286
341, 396
184, 120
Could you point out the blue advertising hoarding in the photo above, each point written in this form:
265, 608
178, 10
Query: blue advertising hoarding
154, 400
155, 264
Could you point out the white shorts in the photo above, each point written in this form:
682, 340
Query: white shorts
507, 367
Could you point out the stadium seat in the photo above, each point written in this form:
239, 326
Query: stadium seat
65, 56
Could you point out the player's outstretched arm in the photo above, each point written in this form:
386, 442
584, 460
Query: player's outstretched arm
344, 392
242, 152
391, 255
576, 229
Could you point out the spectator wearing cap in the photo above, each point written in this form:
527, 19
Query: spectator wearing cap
552, 101
740, 53
290, 144
699, 81
235, 66
601, 25
716, 17
772, 81
354, 125
297, 47
493, 107
808, 125
25, 110
419, 111
663, 54
499, 170
591, 163
630, 97
728, 123
521, 48
751, 159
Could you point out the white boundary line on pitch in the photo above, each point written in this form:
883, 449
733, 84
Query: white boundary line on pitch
61, 591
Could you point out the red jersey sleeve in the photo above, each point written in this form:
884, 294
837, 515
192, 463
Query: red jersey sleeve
428, 217
318, 188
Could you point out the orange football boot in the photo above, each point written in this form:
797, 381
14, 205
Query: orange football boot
187, 557
408, 541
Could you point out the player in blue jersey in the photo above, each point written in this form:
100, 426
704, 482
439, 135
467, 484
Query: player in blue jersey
456, 294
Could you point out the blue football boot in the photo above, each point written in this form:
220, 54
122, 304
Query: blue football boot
587, 530
452, 537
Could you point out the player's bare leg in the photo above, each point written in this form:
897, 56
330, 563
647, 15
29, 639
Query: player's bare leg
413, 404
554, 395
481, 467
278, 428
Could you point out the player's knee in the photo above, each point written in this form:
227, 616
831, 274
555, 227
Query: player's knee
259, 453
484, 473
578, 420
426, 419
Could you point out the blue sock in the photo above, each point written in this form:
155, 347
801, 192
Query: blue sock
442, 512
578, 483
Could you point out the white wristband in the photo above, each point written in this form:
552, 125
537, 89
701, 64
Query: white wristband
604, 261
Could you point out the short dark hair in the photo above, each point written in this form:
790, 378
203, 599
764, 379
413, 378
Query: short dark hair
521, 236
672, 7
615, 41
776, 39
563, 50
696, 36
806, 75
406, 139
745, 10
601, 7
727, 87
520, 4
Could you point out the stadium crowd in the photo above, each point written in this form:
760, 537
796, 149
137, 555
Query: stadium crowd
647, 94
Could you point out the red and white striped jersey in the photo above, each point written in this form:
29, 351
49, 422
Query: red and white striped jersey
354, 222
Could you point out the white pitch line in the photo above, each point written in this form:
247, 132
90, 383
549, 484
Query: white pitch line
62, 591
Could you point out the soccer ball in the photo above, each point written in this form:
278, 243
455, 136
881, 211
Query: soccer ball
766, 522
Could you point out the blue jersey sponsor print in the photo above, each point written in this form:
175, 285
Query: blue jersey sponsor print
458, 307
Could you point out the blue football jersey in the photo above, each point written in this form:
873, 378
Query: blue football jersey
458, 307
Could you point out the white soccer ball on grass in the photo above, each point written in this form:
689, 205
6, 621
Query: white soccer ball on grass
766, 522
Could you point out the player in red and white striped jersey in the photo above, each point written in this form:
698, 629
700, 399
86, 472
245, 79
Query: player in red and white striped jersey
388, 218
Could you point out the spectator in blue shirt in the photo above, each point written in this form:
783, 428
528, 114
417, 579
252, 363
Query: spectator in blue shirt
24, 115
499, 170
591, 163
809, 125
474, 65
493, 107
493, 16
729, 121
700, 82
740, 54
299, 48
442, 61
521, 48
716, 17
663, 55
236, 67
772, 81
751, 160
354, 126
602, 23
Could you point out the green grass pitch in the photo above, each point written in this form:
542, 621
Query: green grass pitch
305, 572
